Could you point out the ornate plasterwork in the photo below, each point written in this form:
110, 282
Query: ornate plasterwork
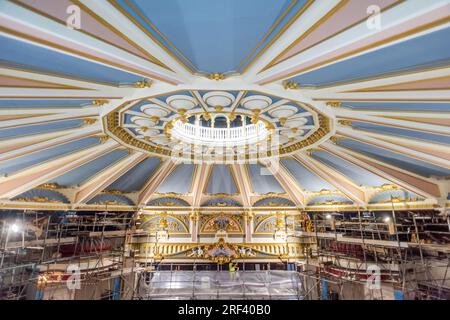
173, 224
150, 129
270, 224
168, 201
221, 222
221, 251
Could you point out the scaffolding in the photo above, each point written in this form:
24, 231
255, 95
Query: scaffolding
42, 252
410, 253
410, 250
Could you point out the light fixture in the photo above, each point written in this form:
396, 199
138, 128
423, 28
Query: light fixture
328, 216
387, 219
14, 227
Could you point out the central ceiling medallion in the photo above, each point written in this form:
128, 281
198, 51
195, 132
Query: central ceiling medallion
217, 126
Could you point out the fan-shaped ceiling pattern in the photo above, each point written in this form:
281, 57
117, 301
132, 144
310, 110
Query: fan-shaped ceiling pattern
221, 181
244, 104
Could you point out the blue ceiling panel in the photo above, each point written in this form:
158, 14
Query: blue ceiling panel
84, 172
355, 173
427, 51
419, 135
213, 36
135, 178
386, 196
44, 103
305, 178
263, 181
179, 181
16, 53
221, 180
399, 106
39, 128
35, 158
395, 159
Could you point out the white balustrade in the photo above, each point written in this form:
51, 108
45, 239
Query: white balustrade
219, 136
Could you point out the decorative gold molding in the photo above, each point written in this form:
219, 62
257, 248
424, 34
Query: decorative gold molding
99, 103
345, 122
387, 187
38, 199
334, 104
110, 203
222, 251
310, 151
290, 85
335, 139
114, 192
104, 138
147, 83
49, 186
89, 121
216, 76
112, 125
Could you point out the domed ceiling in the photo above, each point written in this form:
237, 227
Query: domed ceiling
315, 105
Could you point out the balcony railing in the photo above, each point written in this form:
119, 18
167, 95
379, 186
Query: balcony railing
219, 136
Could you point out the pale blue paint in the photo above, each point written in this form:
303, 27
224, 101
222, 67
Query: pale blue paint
419, 135
26, 130
395, 159
136, 177
399, 295
262, 181
399, 106
179, 181
427, 51
90, 169
305, 178
43, 103
386, 196
35, 158
221, 180
216, 36
324, 289
116, 288
17, 53
355, 173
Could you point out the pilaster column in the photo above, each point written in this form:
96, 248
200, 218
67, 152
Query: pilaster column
193, 225
248, 218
